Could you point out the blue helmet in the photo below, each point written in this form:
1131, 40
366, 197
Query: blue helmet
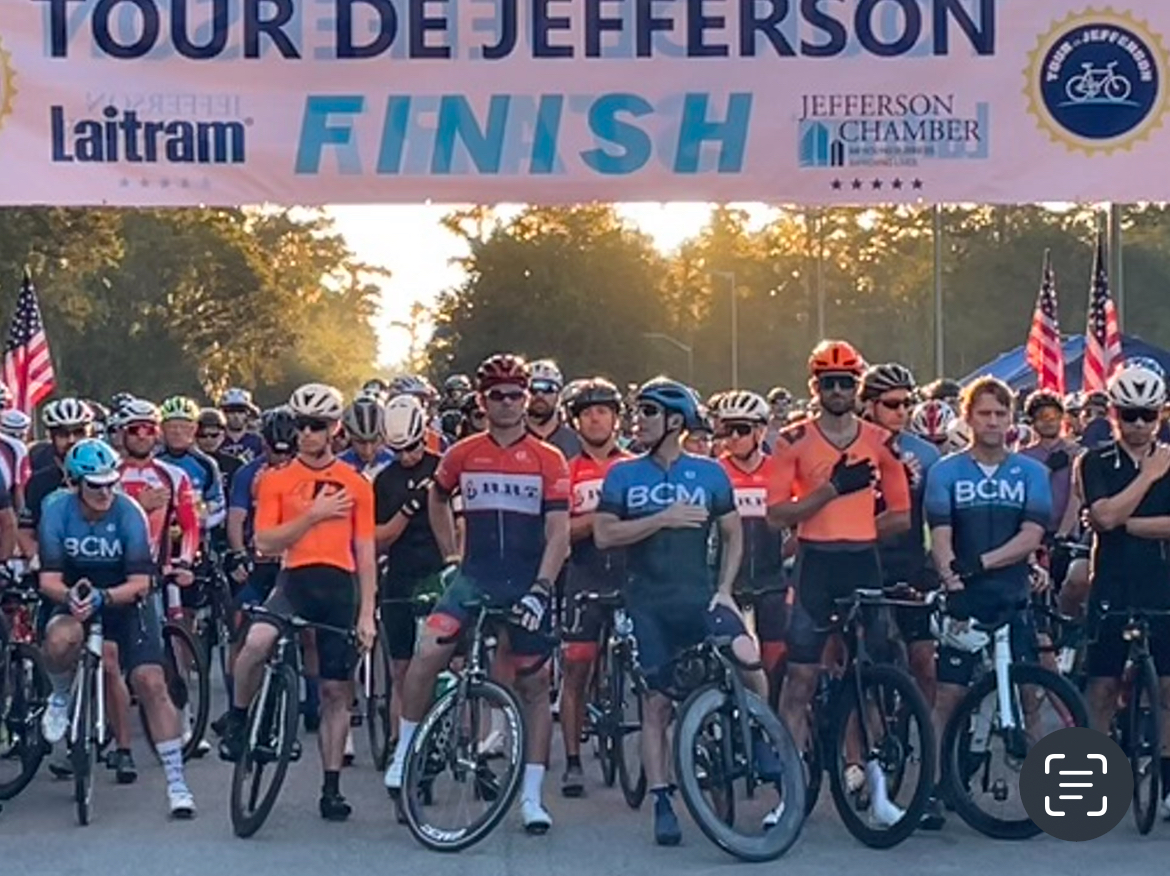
675, 398
92, 460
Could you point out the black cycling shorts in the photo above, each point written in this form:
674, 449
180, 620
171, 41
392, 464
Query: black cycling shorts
823, 576
1108, 652
259, 585
665, 630
398, 614
135, 629
325, 595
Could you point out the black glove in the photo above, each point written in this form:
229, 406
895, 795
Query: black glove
1057, 460
411, 506
529, 609
849, 477
967, 571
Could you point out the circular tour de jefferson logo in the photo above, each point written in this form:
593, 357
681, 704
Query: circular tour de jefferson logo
1097, 81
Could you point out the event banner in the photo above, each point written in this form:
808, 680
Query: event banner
170, 102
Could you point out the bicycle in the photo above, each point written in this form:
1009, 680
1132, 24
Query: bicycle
872, 730
992, 716
1096, 84
24, 695
447, 742
270, 732
87, 722
719, 726
613, 709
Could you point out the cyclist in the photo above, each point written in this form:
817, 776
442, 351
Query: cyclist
474, 416
377, 388
779, 407
516, 511
1128, 497
15, 424
318, 514
661, 507
210, 430
67, 421
1096, 427
544, 415
363, 424
239, 441
419, 387
699, 439
823, 487
404, 536
1072, 415
945, 390
93, 534
180, 416
987, 509
932, 420
455, 389
595, 411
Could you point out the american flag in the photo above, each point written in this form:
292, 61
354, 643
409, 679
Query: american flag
1045, 353
28, 367
1103, 335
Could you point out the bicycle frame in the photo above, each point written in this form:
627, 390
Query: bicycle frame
90, 661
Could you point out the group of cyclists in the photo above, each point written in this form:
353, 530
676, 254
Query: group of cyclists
745, 518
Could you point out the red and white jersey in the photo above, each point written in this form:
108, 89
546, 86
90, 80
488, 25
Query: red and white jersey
178, 512
14, 463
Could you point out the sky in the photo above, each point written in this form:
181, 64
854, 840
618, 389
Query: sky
410, 242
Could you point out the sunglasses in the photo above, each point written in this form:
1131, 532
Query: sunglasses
478, 415
499, 395
79, 432
142, 430
740, 430
97, 488
209, 433
411, 448
545, 388
313, 424
1133, 415
649, 411
904, 404
831, 382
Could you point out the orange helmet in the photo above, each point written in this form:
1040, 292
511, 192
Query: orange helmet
835, 356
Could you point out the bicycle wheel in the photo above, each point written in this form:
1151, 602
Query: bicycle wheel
25, 689
453, 795
188, 684
713, 770
83, 752
271, 731
983, 758
377, 710
1145, 744
626, 718
898, 761
601, 717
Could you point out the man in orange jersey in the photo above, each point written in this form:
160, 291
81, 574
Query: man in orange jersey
823, 486
595, 411
317, 514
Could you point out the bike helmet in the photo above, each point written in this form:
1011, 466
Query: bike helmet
93, 460
237, 399
740, 405
404, 422
412, 384
100, 412
278, 427
675, 398
880, 379
1041, 399
502, 368
120, 398
138, 410
597, 391
959, 434
1073, 403
317, 400
1137, 388
66, 413
457, 384
830, 357
1147, 362
212, 418
546, 371
1096, 399
932, 420
15, 423
779, 394
943, 389
363, 419
180, 407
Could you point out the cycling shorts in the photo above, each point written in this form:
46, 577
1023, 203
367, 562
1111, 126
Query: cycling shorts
823, 576
325, 595
450, 617
400, 619
665, 630
259, 585
134, 629
771, 617
1107, 653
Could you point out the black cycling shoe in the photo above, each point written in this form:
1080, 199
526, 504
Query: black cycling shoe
231, 744
932, 816
219, 725
122, 763
666, 827
334, 807
573, 782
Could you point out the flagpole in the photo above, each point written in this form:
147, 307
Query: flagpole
1117, 267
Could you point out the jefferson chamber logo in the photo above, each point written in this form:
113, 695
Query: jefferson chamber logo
1097, 81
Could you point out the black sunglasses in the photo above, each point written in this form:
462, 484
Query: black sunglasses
313, 424
499, 395
904, 404
649, 411
410, 448
78, 432
209, 433
1132, 415
741, 430
830, 382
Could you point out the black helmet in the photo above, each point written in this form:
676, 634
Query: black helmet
943, 389
279, 428
212, 417
597, 391
1040, 399
880, 379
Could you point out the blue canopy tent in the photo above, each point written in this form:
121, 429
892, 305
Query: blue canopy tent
1013, 368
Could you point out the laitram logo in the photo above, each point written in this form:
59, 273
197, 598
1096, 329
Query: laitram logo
122, 136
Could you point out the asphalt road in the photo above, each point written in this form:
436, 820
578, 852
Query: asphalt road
131, 835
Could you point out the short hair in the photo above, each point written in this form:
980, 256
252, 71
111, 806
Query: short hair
986, 385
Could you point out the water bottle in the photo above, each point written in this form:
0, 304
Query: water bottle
445, 683
174, 600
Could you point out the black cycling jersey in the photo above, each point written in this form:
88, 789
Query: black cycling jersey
228, 466
41, 455
43, 482
415, 554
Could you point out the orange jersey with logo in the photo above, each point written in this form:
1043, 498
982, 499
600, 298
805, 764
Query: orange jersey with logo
286, 493
804, 460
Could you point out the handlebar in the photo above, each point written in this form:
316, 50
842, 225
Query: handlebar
296, 622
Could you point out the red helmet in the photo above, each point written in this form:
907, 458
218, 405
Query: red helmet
502, 368
835, 356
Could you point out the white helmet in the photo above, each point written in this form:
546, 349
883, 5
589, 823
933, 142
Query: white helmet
546, 370
954, 633
959, 434
236, 397
404, 422
742, 405
138, 410
412, 384
317, 400
14, 423
1137, 387
65, 413
932, 420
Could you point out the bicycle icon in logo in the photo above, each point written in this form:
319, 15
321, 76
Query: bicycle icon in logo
1099, 85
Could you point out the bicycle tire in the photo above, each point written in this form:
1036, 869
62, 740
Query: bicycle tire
601, 701
696, 710
894, 680
83, 754
633, 786
377, 711
416, 784
814, 773
178, 688
952, 776
1145, 736
279, 704
26, 669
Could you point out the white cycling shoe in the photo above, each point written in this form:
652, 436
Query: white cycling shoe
773, 817
55, 720
393, 777
181, 801
535, 817
884, 813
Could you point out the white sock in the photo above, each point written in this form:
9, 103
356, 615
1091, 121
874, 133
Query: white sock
170, 753
405, 737
62, 683
533, 781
